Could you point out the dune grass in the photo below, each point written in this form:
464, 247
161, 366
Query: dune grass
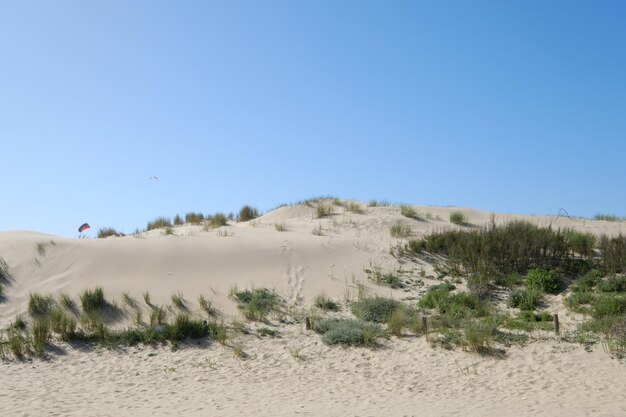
348, 332
179, 301
400, 230
194, 218
353, 207
108, 231
458, 218
325, 303
92, 300
158, 223
410, 212
38, 305
280, 227
247, 213
256, 304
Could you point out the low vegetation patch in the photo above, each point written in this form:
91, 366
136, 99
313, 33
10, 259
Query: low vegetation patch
108, 231
92, 300
256, 304
347, 332
159, 222
400, 230
410, 212
38, 305
325, 303
376, 309
458, 218
247, 213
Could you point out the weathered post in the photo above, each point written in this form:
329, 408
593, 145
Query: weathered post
555, 318
307, 323
424, 324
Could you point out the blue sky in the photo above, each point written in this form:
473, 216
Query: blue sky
496, 105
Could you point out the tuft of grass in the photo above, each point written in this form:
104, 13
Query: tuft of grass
325, 303
179, 301
157, 316
256, 304
247, 213
323, 210
129, 300
178, 221
206, 305
410, 212
353, 207
400, 230
266, 331
375, 309
18, 344
67, 302
92, 300
38, 305
108, 231
146, 298
458, 218
217, 220
62, 324
169, 231
5, 276
378, 203
397, 321
318, 231
41, 336
526, 299
194, 218
609, 217
348, 332
280, 227
159, 222
384, 278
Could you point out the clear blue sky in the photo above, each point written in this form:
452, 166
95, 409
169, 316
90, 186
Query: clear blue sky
512, 106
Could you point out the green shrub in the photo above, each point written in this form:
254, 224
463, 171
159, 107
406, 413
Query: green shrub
325, 303
613, 254
478, 336
185, 328
376, 309
347, 332
577, 299
543, 280
527, 299
92, 300
247, 213
409, 211
159, 222
457, 217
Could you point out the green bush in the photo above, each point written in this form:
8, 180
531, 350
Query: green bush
247, 213
613, 284
347, 332
577, 299
178, 221
376, 309
543, 280
608, 305
218, 220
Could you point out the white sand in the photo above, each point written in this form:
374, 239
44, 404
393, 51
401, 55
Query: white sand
404, 377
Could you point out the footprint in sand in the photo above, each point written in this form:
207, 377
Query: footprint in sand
294, 273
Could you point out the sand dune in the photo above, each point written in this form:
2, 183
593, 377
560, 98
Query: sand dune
295, 374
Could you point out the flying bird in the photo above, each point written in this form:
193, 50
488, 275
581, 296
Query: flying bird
153, 178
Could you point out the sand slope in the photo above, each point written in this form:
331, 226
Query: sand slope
404, 377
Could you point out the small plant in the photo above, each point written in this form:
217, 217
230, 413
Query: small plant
159, 222
92, 300
247, 213
41, 336
280, 227
178, 221
527, 299
138, 319
376, 309
354, 208
146, 298
378, 203
397, 321
62, 324
5, 277
458, 218
168, 231
206, 305
179, 301
129, 300
543, 280
108, 231
157, 316
609, 217
347, 332
479, 337
38, 304
400, 230
409, 211
18, 344
257, 303
318, 231
238, 350
325, 303
266, 331
194, 218
218, 220
323, 210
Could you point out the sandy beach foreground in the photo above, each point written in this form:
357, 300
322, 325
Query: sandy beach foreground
291, 372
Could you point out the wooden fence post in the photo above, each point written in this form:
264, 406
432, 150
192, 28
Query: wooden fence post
555, 317
307, 323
